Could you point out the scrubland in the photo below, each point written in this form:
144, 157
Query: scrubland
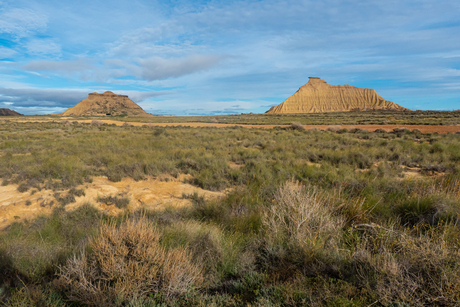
310, 218
333, 118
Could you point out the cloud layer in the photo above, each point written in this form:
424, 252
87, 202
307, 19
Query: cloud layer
211, 56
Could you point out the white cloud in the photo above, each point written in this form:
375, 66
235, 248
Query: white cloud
222, 51
71, 65
21, 22
156, 68
43, 47
6, 52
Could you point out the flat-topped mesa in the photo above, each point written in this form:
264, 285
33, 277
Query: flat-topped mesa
317, 97
105, 104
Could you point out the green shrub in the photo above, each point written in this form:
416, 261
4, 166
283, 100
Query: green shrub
120, 203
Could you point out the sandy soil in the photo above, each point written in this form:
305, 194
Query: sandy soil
154, 193
370, 128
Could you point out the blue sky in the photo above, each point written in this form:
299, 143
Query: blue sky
225, 57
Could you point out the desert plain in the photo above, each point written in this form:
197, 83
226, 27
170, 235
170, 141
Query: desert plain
325, 209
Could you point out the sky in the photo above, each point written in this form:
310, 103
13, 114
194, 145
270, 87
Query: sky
225, 57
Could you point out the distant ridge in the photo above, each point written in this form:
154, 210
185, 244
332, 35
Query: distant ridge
106, 104
8, 112
317, 97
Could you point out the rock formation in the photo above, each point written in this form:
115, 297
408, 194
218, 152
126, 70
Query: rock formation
106, 104
8, 112
317, 97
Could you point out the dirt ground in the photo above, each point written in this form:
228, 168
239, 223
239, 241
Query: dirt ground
370, 128
154, 193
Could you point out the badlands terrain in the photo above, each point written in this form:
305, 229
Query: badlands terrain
317, 97
328, 209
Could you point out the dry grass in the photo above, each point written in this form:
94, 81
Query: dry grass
268, 242
302, 213
127, 262
399, 267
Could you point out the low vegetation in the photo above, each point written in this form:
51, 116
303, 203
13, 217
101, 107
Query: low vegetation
334, 118
310, 218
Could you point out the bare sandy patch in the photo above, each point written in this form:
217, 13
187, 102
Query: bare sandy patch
153, 194
412, 173
234, 165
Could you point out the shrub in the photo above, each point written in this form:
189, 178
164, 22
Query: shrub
357, 130
64, 200
411, 270
334, 128
77, 192
23, 187
97, 123
120, 203
128, 263
301, 214
297, 126
402, 129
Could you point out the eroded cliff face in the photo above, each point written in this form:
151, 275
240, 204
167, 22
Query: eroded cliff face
106, 104
317, 97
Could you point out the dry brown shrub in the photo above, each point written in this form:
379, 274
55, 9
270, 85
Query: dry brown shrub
97, 123
334, 128
128, 263
297, 126
302, 213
